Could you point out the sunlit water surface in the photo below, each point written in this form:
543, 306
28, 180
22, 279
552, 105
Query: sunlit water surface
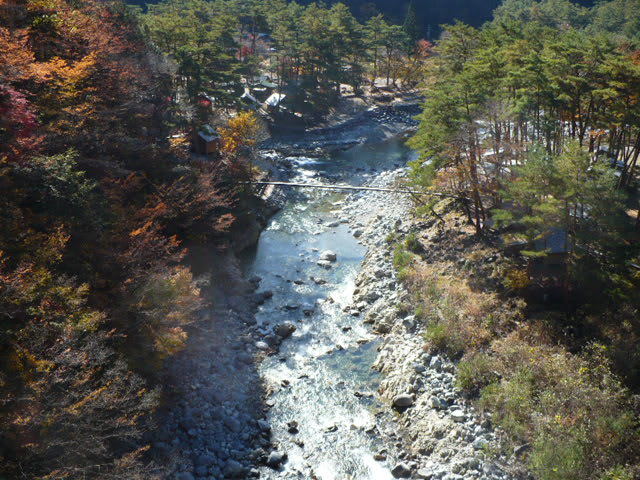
329, 357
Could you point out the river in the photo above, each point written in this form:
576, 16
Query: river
317, 372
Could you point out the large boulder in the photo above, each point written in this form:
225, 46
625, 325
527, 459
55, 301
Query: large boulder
276, 459
403, 400
458, 416
326, 264
285, 330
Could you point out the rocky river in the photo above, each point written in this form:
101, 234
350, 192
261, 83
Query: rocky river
306, 368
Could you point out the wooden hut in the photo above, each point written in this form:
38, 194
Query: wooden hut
207, 141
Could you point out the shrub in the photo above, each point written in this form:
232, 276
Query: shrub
476, 372
570, 407
444, 339
401, 261
412, 243
560, 454
618, 473
516, 280
513, 402
392, 237
165, 303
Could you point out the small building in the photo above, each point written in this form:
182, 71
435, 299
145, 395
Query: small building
250, 100
274, 101
207, 141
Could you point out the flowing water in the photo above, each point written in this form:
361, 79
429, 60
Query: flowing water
317, 371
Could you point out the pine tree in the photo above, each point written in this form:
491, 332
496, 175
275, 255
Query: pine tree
412, 27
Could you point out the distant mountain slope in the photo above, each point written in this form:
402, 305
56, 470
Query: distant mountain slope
431, 13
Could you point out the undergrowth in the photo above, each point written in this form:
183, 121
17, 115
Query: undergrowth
569, 407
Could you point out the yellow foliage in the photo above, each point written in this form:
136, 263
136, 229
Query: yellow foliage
28, 366
15, 56
517, 279
241, 131
131, 458
89, 321
168, 302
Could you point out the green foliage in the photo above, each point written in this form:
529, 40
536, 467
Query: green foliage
513, 400
199, 36
411, 26
475, 373
412, 243
444, 338
92, 214
164, 304
560, 454
523, 94
63, 189
392, 237
401, 258
567, 193
571, 408
618, 473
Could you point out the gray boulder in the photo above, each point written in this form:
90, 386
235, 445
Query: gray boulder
285, 330
401, 470
458, 416
276, 459
403, 401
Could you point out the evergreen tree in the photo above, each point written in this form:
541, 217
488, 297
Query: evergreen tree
411, 27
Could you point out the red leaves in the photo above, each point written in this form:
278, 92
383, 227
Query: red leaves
18, 123
423, 48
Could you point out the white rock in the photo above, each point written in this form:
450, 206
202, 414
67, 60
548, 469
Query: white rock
328, 255
458, 416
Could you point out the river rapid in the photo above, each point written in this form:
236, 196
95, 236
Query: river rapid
321, 381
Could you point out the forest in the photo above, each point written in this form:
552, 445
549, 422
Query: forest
101, 201
532, 120
221, 48
97, 211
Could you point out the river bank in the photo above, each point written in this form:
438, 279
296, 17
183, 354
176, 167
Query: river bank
427, 418
277, 381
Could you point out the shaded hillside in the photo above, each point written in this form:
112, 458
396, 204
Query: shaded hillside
431, 13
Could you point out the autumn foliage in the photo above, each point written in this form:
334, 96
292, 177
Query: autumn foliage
95, 216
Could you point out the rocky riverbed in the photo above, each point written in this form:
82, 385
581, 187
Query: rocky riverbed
306, 367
